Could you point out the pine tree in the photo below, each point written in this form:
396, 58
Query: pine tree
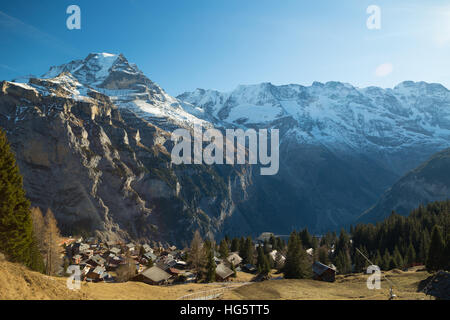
233, 268
234, 245
378, 260
242, 249
410, 258
297, 265
386, 261
436, 259
249, 251
266, 247
223, 249
16, 230
392, 263
210, 264
315, 243
273, 242
281, 245
343, 263
360, 262
260, 261
267, 267
305, 238
37, 261
447, 253
397, 257
323, 255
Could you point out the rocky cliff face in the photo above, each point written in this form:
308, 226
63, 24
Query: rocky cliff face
105, 170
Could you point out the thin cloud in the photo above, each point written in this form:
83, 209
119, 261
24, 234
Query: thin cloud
14, 25
384, 70
8, 68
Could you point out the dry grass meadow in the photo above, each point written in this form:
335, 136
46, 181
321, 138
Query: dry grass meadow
19, 283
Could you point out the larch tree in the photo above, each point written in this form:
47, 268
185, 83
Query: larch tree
52, 237
38, 228
196, 256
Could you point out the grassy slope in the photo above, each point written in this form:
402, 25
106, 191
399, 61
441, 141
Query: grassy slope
17, 282
346, 287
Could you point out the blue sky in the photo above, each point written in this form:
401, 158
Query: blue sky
219, 44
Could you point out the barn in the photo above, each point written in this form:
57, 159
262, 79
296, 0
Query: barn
323, 272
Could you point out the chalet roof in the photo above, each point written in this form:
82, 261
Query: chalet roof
98, 260
98, 270
175, 271
147, 248
234, 258
223, 271
115, 250
319, 268
274, 253
265, 236
156, 274
149, 256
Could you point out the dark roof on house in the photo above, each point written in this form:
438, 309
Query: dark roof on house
175, 271
166, 263
319, 268
98, 260
149, 256
250, 267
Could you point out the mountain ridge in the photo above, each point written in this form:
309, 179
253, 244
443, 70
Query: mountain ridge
427, 183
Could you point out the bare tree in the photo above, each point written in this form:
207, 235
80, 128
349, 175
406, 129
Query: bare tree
125, 272
52, 256
38, 228
197, 257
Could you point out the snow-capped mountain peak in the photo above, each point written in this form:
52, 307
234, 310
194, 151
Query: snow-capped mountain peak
126, 86
95, 68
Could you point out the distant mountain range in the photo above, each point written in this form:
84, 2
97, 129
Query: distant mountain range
92, 138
